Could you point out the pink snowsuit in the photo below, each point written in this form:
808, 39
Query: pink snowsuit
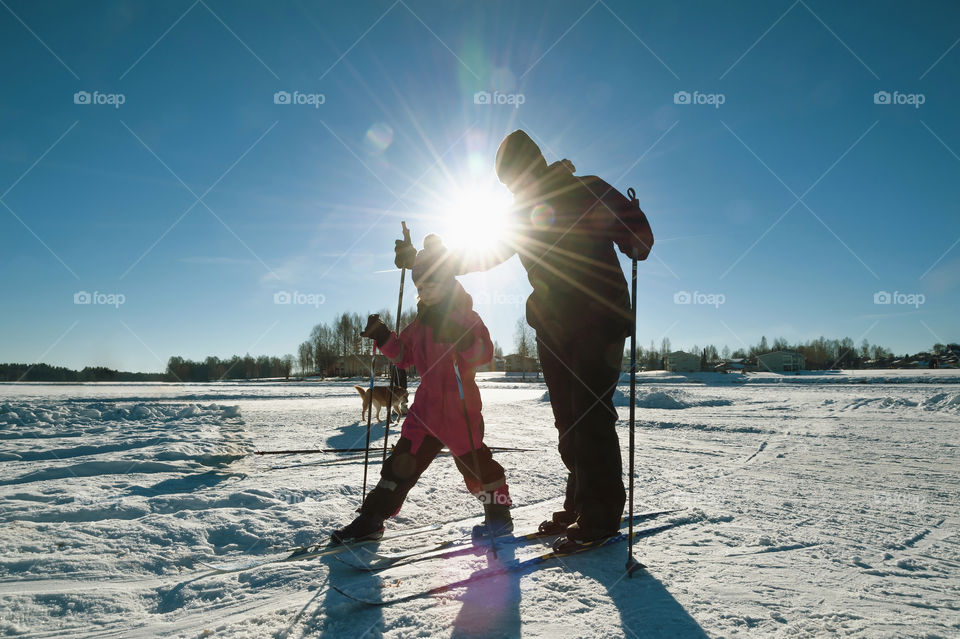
437, 410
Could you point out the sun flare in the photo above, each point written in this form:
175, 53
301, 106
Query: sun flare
475, 219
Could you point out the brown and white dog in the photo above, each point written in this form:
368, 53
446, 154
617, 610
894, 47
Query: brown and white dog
381, 396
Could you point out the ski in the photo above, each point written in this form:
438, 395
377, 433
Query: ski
300, 553
454, 548
515, 565
312, 551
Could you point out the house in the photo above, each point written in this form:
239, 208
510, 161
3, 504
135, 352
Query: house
680, 361
354, 366
781, 362
495, 364
515, 364
735, 365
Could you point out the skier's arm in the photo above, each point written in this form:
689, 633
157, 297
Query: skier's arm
473, 261
399, 348
475, 348
483, 260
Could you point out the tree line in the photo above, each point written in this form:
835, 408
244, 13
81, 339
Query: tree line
336, 349
820, 353
47, 373
214, 369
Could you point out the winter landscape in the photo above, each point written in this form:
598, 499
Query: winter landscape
718, 240
813, 505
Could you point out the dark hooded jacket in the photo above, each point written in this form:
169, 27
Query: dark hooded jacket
560, 233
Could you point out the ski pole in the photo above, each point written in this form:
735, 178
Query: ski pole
366, 455
403, 272
473, 452
632, 564
312, 451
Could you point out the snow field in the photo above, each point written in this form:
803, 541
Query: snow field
828, 509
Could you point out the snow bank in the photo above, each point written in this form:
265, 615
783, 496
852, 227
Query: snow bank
672, 400
949, 402
664, 400
73, 414
938, 402
881, 402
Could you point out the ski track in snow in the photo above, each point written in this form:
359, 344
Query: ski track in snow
829, 503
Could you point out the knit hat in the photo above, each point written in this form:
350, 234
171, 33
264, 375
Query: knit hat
434, 263
517, 155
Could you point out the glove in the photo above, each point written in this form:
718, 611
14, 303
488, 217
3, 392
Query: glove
404, 253
376, 330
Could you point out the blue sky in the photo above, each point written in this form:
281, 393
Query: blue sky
199, 198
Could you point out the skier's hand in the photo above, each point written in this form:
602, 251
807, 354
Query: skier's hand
404, 253
376, 330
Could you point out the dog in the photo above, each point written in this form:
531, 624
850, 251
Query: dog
380, 399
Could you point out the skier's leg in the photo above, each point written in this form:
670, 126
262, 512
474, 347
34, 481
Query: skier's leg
599, 490
559, 384
491, 484
399, 474
490, 487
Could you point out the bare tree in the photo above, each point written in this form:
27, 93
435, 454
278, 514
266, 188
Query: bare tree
525, 341
305, 357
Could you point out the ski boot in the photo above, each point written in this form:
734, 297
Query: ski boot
498, 522
560, 521
578, 536
365, 527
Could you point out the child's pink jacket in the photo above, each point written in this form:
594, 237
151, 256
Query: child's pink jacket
437, 410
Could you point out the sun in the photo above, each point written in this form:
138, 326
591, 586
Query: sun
475, 218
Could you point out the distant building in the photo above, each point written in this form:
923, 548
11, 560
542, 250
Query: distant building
682, 362
495, 364
355, 366
781, 362
725, 366
515, 364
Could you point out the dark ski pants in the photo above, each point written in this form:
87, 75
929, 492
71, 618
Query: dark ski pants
581, 372
403, 468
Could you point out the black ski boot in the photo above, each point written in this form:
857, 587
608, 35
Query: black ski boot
578, 536
365, 527
498, 522
558, 524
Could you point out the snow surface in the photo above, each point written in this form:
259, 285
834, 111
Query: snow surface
821, 505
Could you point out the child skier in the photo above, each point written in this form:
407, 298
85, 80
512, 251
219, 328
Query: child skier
447, 331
